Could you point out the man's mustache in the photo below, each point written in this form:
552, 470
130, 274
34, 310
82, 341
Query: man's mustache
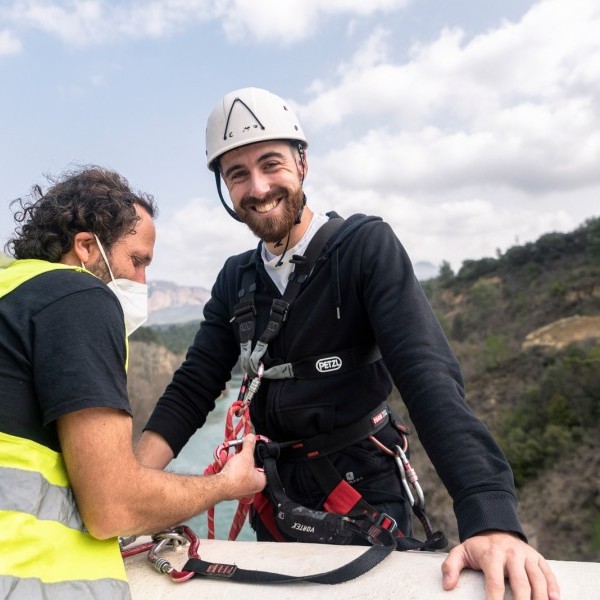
273, 194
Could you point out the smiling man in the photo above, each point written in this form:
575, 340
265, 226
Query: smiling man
326, 315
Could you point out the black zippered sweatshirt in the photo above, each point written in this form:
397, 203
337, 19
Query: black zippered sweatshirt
362, 292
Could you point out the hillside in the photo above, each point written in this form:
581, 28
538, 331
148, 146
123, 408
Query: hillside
526, 327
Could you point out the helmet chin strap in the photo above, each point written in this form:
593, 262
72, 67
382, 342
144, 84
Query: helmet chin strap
228, 208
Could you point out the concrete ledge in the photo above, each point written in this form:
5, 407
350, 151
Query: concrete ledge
402, 575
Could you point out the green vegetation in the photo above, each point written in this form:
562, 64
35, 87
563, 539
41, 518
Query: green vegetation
501, 300
553, 417
176, 338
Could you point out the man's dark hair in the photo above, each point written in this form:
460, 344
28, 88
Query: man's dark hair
91, 199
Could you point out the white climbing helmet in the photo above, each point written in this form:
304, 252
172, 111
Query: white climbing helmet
247, 116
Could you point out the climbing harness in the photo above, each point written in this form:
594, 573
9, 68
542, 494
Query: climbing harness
314, 451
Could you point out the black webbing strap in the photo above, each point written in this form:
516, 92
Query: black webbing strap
304, 266
338, 439
356, 567
310, 525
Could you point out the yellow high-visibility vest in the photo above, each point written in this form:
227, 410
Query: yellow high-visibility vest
45, 550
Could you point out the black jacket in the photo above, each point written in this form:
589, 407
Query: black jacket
364, 277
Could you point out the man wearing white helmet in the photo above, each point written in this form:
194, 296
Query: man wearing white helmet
329, 313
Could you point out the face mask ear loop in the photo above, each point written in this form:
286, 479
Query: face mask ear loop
104, 257
231, 212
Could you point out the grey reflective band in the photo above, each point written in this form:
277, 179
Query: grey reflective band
285, 371
14, 588
250, 359
29, 492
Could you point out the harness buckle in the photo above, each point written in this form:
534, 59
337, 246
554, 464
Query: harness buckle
383, 523
280, 308
245, 308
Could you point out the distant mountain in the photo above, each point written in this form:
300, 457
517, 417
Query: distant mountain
170, 303
425, 270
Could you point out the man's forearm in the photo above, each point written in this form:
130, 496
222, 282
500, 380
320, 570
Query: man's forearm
153, 451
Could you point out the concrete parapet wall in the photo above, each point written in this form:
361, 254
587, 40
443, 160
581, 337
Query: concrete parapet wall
401, 576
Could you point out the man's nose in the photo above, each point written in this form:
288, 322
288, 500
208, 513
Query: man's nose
259, 185
140, 275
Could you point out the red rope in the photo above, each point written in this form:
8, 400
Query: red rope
237, 425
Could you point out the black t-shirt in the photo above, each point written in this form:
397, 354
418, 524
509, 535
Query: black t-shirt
62, 349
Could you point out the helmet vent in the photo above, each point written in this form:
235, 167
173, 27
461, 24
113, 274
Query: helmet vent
227, 133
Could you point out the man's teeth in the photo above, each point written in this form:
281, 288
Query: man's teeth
263, 208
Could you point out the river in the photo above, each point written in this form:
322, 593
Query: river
198, 454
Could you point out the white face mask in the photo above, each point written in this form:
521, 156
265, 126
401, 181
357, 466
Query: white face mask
132, 295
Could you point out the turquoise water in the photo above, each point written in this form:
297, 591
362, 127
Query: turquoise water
198, 454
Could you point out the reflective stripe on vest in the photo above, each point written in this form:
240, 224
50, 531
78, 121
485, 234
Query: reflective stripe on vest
12, 588
42, 537
45, 551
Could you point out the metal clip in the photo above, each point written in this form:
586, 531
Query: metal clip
409, 479
175, 539
126, 541
221, 452
254, 384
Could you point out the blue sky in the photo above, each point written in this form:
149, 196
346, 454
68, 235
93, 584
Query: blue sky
470, 126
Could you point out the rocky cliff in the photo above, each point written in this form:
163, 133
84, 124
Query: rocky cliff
171, 303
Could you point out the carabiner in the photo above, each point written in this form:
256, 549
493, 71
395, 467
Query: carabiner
409, 478
254, 384
175, 538
221, 452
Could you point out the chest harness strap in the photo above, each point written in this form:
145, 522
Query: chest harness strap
244, 313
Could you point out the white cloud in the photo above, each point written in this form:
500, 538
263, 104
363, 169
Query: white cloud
288, 21
493, 141
9, 43
518, 107
100, 21
192, 244
472, 224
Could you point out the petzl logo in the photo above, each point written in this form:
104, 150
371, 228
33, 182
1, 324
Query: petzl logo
331, 363
379, 417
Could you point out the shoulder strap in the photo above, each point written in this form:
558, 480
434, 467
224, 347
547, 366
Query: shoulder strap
245, 311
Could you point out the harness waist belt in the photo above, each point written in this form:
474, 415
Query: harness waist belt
338, 439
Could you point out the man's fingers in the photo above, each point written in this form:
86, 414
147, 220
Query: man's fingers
452, 566
249, 443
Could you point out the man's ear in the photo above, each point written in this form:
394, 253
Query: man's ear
302, 163
84, 248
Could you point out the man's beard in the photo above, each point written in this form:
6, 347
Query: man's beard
276, 228
99, 269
